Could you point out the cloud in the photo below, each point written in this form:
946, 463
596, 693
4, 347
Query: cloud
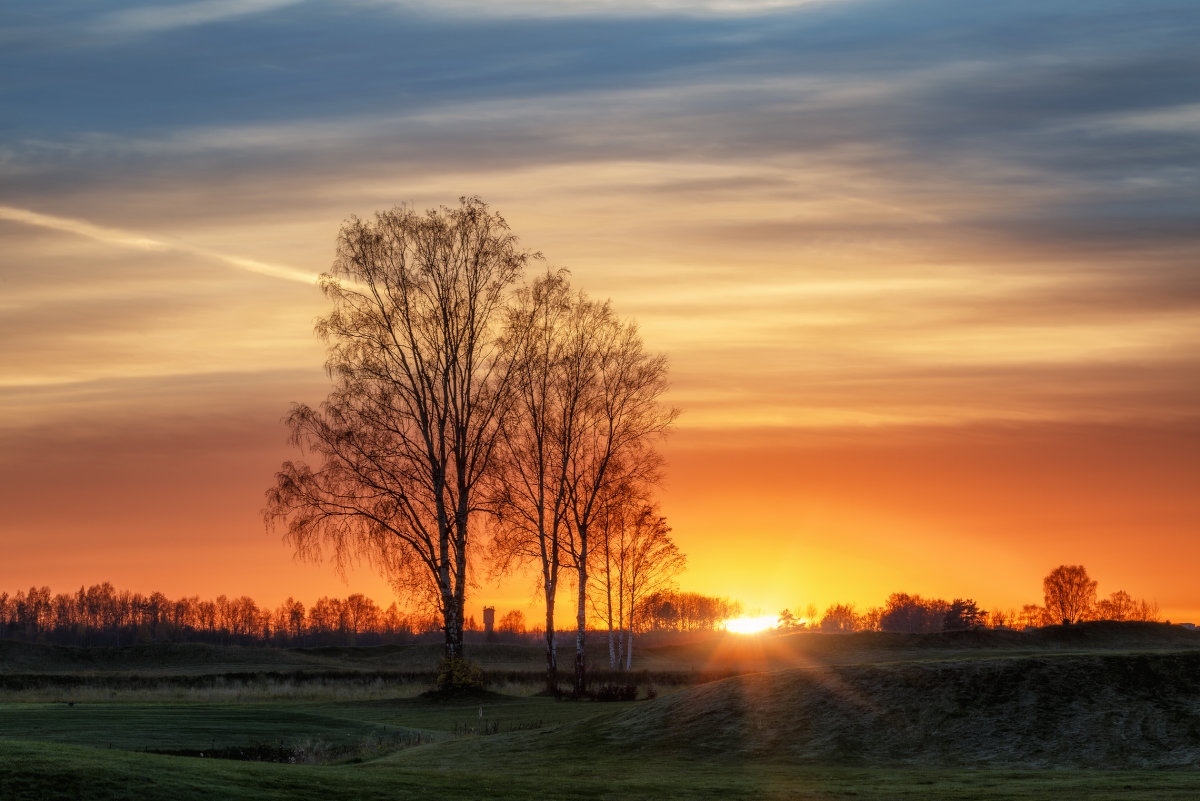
126, 239
834, 178
156, 18
541, 9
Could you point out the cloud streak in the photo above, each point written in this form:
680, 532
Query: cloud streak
126, 239
155, 19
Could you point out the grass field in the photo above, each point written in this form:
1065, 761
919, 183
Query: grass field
142, 737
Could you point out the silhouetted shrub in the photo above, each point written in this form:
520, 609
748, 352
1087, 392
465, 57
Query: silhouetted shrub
615, 692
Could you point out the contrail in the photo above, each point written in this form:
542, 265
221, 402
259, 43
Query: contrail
129, 239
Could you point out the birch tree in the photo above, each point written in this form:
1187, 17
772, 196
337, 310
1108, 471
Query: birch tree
620, 419
530, 497
585, 410
421, 384
639, 559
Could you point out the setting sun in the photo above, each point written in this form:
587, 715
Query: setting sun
751, 625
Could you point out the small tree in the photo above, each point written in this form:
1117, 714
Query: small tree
1118, 606
638, 560
913, 614
512, 623
839, 618
1122, 606
1069, 594
1031, 615
963, 613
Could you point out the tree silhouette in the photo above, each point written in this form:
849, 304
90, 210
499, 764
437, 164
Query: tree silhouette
1069, 594
620, 416
638, 559
1122, 606
585, 406
839, 618
546, 334
913, 614
420, 387
963, 613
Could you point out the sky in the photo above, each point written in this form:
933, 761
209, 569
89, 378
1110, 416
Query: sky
927, 273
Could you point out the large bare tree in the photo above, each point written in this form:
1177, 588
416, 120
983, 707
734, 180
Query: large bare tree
1069, 594
421, 385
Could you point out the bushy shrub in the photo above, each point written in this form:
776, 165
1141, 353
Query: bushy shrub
457, 675
615, 692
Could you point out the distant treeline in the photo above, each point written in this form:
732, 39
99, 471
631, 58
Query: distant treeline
672, 610
103, 615
1069, 597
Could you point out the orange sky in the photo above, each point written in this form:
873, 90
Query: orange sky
926, 276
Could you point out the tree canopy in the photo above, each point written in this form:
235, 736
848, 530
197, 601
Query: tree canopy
421, 386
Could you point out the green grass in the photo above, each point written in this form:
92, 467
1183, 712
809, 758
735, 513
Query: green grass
382, 739
197, 727
44, 772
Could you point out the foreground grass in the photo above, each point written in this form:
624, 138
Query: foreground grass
332, 725
50, 772
545, 749
361, 738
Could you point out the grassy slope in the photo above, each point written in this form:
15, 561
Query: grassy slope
1111, 710
41, 772
740, 738
732, 653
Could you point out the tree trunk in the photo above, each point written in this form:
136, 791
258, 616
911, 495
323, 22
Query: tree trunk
452, 625
551, 646
614, 635
581, 620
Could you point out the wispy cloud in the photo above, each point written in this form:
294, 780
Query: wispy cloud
152, 19
602, 8
120, 238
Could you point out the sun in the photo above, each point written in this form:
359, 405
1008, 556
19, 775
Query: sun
750, 625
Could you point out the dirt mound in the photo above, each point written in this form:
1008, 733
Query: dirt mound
1114, 710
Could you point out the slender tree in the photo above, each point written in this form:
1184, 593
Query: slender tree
530, 496
420, 386
638, 559
621, 417
586, 406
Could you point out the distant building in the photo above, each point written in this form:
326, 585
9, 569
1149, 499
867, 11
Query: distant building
489, 622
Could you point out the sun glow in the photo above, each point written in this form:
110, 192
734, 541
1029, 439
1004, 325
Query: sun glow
750, 625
